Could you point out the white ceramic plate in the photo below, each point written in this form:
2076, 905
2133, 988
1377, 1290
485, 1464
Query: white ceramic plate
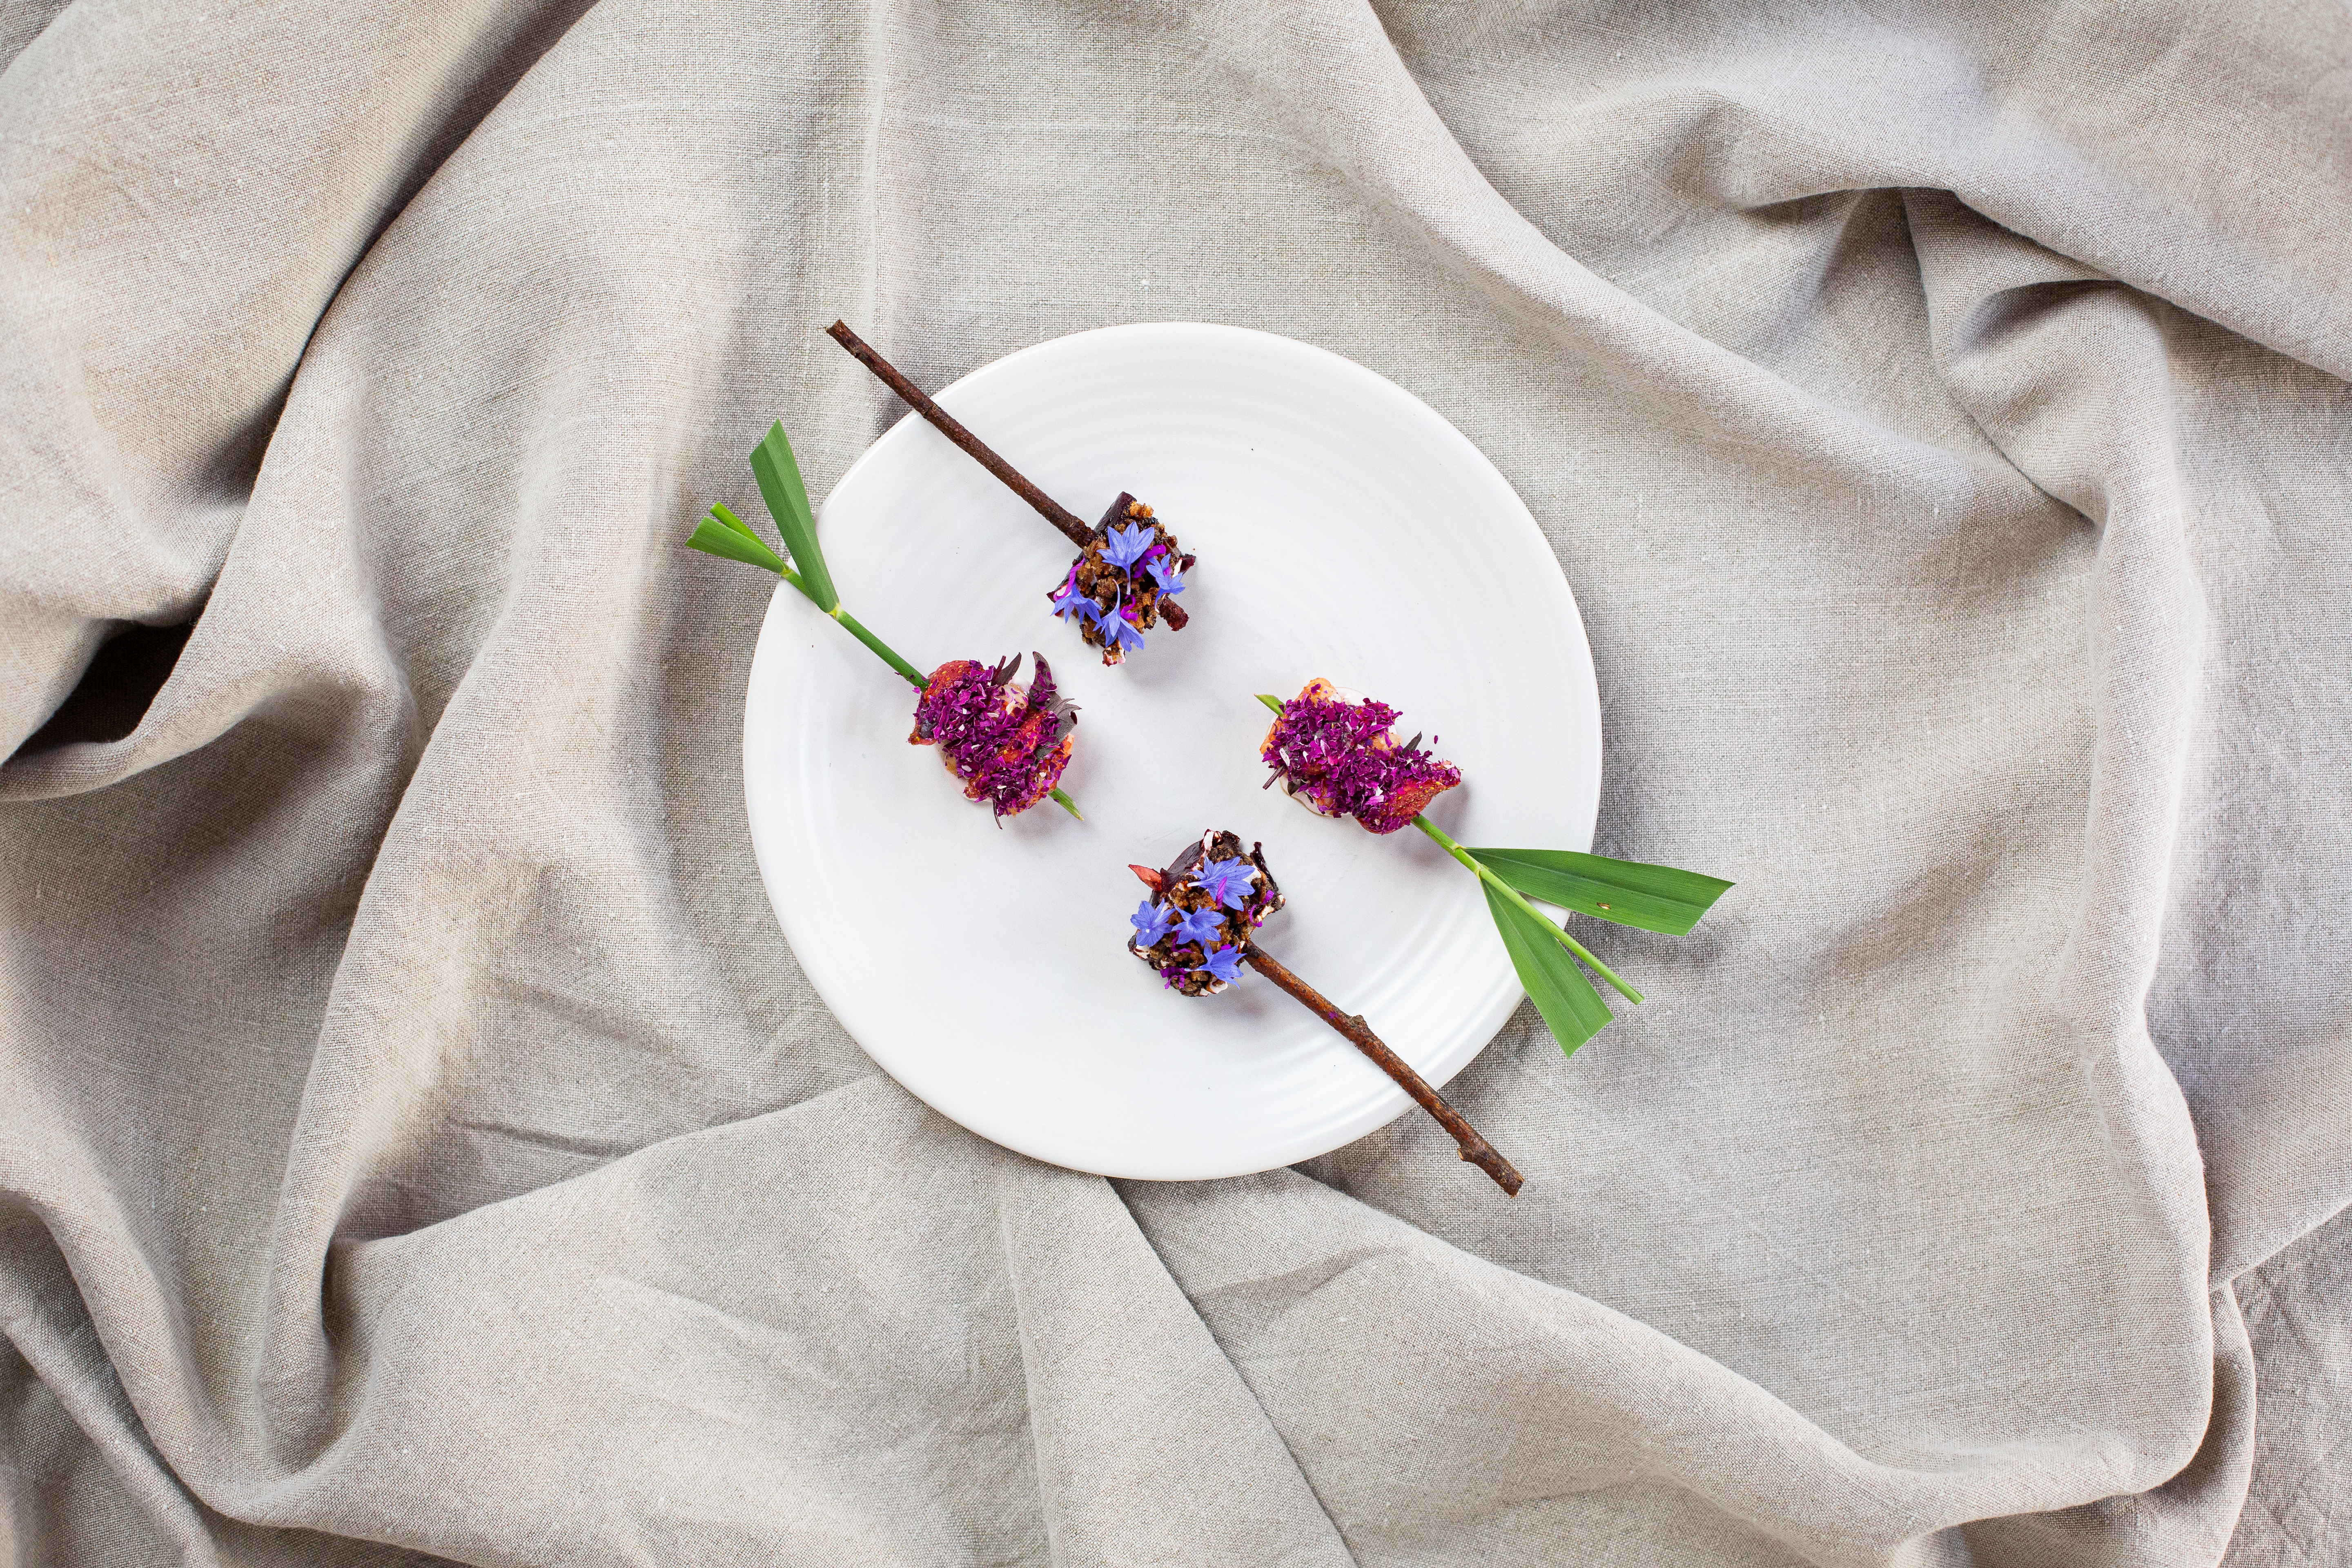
1343, 530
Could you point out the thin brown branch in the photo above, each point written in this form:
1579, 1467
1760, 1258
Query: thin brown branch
1052, 510
1474, 1149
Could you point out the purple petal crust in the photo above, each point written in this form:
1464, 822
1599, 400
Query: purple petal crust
1006, 744
1341, 758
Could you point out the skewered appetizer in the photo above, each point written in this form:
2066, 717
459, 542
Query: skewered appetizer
1200, 926
1005, 742
1335, 751
1129, 567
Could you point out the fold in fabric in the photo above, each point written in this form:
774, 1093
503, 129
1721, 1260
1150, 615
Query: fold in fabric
417, 1141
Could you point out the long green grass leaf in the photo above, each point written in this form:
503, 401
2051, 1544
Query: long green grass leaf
779, 473
715, 538
724, 513
1571, 1008
1648, 898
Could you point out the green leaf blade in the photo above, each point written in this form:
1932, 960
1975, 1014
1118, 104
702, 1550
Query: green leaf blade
715, 538
1571, 1008
1647, 898
779, 473
724, 513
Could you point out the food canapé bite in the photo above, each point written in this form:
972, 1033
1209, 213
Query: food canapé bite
1336, 752
1129, 567
1200, 926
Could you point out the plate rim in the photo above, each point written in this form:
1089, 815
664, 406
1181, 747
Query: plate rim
767, 826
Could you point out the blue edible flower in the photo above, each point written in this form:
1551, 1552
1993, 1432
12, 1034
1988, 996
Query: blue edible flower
1167, 574
1119, 633
1227, 881
1078, 604
1150, 919
1221, 962
1201, 925
1123, 547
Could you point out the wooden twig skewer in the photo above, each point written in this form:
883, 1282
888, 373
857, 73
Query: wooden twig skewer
1474, 1148
1052, 510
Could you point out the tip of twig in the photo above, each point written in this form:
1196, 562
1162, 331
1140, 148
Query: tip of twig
1505, 1174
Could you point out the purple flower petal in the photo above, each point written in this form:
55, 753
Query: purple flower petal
1200, 926
1150, 919
1227, 881
1222, 963
1123, 547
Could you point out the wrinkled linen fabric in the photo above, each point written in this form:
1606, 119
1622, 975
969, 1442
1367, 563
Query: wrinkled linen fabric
418, 1141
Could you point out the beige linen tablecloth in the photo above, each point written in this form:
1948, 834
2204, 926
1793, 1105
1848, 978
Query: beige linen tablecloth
416, 1139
